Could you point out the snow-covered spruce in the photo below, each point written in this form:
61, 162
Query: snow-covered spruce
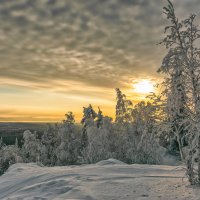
182, 65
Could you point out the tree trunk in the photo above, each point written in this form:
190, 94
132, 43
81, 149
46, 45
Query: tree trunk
198, 158
190, 171
180, 148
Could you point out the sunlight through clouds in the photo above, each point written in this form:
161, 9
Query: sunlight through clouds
69, 47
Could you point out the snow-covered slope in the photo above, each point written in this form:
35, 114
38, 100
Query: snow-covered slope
109, 180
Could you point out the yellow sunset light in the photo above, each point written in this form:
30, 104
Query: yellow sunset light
143, 86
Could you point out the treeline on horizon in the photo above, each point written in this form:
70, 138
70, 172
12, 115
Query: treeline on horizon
97, 138
139, 133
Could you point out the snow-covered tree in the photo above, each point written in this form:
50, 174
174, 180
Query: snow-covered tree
9, 155
123, 108
143, 141
98, 144
69, 142
30, 147
99, 120
176, 85
182, 63
89, 116
48, 145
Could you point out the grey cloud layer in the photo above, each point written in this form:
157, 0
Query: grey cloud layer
97, 42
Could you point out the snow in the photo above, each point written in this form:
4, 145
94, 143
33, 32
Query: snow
110, 161
106, 180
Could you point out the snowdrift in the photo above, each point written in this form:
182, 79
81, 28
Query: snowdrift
110, 161
106, 180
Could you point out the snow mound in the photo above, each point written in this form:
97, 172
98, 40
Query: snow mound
20, 167
110, 161
107, 180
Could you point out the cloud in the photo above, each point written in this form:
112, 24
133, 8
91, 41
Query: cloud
102, 43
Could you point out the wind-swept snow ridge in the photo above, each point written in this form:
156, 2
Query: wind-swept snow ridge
106, 180
110, 161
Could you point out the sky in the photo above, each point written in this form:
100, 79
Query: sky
60, 55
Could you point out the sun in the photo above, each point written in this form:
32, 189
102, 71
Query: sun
143, 86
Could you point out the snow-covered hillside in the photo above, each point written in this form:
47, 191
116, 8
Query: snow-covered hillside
110, 179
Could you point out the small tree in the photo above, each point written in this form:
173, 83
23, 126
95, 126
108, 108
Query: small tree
123, 108
89, 116
30, 147
69, 148
143, 144
98, 144
49, 143
9, 155
99, 120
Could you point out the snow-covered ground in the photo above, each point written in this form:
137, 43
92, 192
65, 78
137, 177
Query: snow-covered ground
110, 179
